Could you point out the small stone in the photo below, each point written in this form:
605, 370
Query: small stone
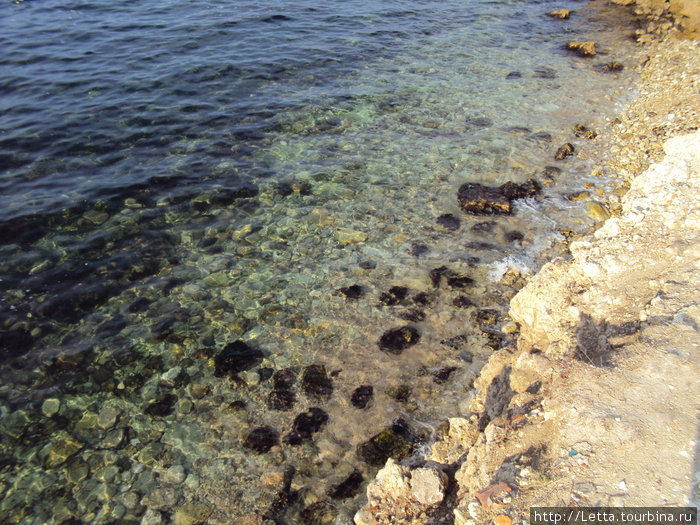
114, 438
350, 236
77, 471
261, 439
395, 341
96, 217
478, 199
107, 418
161, 498
174, 475
361, 396
564, 151
352, 292
316, 383
562, 14
390, 443
152, 517
612, 67
50, 407
306, 425
59, 452
428, 485
449, 222
192, 514
236, 357
502, 519
597, 211
582, 131
584, 49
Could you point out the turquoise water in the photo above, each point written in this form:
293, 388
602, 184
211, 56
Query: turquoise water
178, 180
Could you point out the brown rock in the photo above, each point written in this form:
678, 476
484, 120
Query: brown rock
562, 14
585, 49
582, 131
477, 199
564, 151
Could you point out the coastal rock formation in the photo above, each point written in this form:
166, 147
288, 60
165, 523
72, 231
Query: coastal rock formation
478, 199
562, 14
585, 49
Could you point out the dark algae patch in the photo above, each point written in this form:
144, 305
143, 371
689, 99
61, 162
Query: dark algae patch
236, 357
395, 341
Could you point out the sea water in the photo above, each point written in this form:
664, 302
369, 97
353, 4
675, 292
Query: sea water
275, 180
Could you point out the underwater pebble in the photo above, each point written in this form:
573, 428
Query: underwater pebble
50, 407
174, 475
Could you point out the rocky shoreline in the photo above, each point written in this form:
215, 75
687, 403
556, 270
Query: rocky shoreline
596, 404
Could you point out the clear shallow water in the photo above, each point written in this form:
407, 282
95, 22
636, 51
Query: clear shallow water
180, 177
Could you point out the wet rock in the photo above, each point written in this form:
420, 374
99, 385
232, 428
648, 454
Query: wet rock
514, 236
422, 299
174, 475
449, 222
57, 453
161, 498
306, 425
394, 296
361, 396
348, 488
401, 393
418, 249
443, 375
551, 171
352, 292
486, 317
564, 151
482, 227
397, 340
477, 199
265, 373
192, 513
319, 513
582, 131
466, 356
390, 443
561, 14
151, 453
414, 315
597, 211
161, 406
281, 399
367, 265
584, 49
436, 275
546, 73
261, 439
50, 407
152, 517
428, 485
111, 327
284, 189
612, 67
462, 301
478, 122
236, 357
114, 439
77, 471
316, 383
514, 75
162, 328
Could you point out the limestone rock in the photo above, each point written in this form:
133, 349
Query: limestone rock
428, 485
562, 14
585, 49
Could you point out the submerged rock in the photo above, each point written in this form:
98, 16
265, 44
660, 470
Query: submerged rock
477, 199
582, 131
513, 75
261, 439
361, 396
280, 399
316, 383
391, 443
584, 49
561, 14
236, 357
449, 222
352, 292
395, 295
397, 340
564, 151
306, 425
612, 67
348, 487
